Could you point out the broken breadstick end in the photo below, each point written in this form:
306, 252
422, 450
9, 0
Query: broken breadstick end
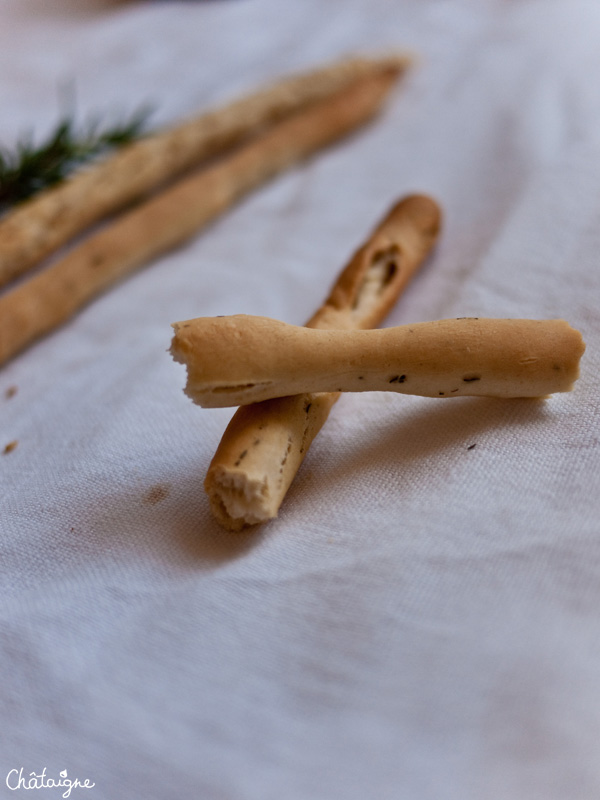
259, 455
237, 360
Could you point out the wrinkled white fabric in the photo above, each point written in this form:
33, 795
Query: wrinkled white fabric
421, 621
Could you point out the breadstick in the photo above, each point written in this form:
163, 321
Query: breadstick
160, 223
38, 227
237, 360
265, 443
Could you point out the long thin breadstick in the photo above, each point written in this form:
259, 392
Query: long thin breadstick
265, 443
158, 224
237, 360
41, 225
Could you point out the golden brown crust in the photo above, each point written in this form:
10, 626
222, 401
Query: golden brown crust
378, 272
259, 455
158, 224
237, 360
41, 225
265, 443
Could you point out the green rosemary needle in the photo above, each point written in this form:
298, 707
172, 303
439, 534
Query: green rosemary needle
30, 167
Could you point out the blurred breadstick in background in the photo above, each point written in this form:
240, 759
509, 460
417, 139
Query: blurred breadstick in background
169, 218
265, 443
39, 226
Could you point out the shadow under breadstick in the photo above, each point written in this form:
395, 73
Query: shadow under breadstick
265, 443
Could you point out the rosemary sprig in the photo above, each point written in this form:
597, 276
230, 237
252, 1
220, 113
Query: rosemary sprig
31, 167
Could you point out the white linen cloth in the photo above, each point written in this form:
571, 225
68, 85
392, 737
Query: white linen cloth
421, 621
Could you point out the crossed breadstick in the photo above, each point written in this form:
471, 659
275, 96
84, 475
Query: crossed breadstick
233, 361
243, 360
265, 443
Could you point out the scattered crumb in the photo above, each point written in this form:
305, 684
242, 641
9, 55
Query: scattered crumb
10, 447
471, 446
11, 392
156, 494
